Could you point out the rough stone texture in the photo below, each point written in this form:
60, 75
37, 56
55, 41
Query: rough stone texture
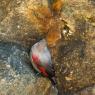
75, 60
25, 22
87, 91
17, 77
16, 33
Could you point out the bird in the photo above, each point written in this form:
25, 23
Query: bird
41, 60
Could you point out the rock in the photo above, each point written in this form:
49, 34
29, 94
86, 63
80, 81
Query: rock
17, 35
74, 58
87, 91
17, 76
25, 22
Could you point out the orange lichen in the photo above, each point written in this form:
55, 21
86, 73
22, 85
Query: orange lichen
45, 22
44, 11
52, 37
40, 18
57, 5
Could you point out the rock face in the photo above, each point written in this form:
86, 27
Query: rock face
17, 35
74, 63
16, 74
70, 36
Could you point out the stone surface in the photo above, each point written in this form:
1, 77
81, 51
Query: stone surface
17, 76
17, 34
24, 22
75, 57
87, 91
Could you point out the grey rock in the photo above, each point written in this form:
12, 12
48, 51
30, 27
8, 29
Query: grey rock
17, 76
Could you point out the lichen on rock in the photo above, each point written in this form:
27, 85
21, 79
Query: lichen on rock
69, 29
